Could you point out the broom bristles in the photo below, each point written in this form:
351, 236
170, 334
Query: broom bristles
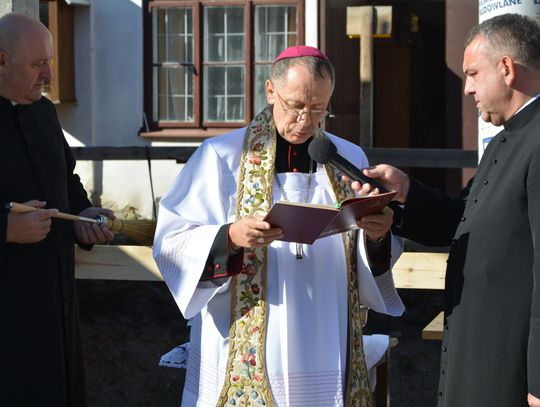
140, 230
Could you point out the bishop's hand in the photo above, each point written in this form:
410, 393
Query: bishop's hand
252, 232
376, 226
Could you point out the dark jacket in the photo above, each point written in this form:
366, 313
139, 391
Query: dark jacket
491, 346
44, 358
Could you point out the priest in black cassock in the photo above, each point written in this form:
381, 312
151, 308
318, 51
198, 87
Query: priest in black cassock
41, 348
491, 346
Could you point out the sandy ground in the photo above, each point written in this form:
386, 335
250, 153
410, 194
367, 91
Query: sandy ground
127, 326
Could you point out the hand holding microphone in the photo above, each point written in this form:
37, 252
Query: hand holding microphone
322, 150
393, 178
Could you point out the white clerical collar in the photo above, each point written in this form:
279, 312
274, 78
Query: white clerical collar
531, 100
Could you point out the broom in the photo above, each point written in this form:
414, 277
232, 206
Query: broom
140, 230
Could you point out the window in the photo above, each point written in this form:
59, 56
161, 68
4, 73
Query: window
275, 30
224, 64
207, 62
173, 64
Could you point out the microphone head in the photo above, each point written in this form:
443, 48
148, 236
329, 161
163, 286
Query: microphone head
321, 149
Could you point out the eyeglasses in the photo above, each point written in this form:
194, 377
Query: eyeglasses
298, 114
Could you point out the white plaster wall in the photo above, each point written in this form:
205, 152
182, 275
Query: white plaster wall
27, 7
312, 22
109, 105
108, 74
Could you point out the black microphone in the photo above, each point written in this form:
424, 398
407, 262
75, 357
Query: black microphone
322, 150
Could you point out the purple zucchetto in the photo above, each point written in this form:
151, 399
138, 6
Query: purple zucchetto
301, 51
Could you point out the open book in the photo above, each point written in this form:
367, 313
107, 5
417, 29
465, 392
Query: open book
305, 223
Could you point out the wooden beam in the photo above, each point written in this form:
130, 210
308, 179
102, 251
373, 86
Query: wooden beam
116, 263
399, 157
423, 157
366, 78
412, 270
382, 21
366, 22
434, 330
180, 154
420, 270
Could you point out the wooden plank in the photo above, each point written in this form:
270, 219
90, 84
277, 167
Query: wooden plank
423, 157
364, 22
400, 157
420, 270
382, 21
366, 76
434, 330
116, 263
412, 270
180, 154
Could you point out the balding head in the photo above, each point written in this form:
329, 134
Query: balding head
25, 56
16, 28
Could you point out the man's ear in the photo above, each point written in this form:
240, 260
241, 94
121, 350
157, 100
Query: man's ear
508, 67
269, 87
3, 57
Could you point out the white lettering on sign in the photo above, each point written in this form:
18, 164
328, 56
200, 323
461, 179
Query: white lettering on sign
487, 7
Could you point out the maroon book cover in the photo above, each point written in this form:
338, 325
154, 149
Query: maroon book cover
305, 223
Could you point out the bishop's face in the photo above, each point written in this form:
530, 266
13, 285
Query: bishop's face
299, 103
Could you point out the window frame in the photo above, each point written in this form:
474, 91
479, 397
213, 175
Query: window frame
247, 78
200, 128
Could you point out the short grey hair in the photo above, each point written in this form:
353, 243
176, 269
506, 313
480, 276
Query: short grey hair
513, 34
319, 68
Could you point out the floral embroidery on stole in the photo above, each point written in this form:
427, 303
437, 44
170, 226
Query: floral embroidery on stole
246, 379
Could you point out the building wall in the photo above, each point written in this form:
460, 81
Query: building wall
109, 103
28, 7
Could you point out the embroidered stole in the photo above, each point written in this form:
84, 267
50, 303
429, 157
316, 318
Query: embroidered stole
246, 379
358, 390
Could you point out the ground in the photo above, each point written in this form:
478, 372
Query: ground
128, 325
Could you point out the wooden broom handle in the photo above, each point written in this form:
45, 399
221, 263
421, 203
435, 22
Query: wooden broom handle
20, 208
